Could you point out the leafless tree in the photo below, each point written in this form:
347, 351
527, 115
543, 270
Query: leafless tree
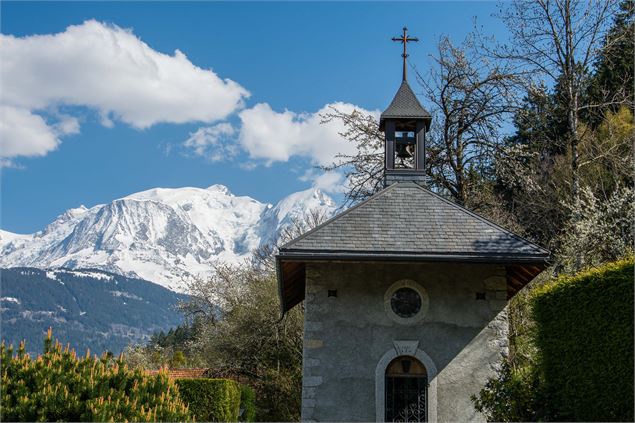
472, 97
365, 170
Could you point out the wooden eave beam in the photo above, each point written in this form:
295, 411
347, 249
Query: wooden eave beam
293, 280
518, 276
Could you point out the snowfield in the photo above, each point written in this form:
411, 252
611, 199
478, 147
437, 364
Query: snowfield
166, 236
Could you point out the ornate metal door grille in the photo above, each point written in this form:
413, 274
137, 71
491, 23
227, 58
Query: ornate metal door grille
406, 391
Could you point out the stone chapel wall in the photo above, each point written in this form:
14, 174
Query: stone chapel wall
346, 336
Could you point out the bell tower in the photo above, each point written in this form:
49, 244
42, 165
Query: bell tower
405, 123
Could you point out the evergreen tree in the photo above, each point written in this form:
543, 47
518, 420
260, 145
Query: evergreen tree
612, 84
60, 386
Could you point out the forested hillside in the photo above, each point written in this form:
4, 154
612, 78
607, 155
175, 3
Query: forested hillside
86, 308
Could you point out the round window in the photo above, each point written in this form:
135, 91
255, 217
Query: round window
405, 302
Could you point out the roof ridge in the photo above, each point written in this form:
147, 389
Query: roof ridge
479, 217
338, 216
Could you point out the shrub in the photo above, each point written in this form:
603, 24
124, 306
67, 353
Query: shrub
247, 403
279, 395
584, 337
59, 386
513, 396
581, 365
603, 232
211, 399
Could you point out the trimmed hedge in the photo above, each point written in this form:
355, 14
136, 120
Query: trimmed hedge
584, 336
211, 400
247, 404
573, 358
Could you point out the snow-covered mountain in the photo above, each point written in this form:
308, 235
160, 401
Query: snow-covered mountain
166, 236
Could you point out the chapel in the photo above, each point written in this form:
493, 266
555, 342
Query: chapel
404, 294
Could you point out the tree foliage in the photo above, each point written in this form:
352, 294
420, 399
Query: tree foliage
59, 386
247, 403
246, 333
240, 331
211, 400
559, 40
534, 181
612, 84
604, 231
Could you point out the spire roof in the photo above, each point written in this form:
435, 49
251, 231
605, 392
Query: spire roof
405, 105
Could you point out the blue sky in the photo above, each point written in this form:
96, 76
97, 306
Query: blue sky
102, 137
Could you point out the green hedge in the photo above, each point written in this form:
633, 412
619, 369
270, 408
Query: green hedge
584, 337
247, 404
216, 400
573, 353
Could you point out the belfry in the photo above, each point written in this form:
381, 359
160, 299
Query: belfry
405, 123
405, 293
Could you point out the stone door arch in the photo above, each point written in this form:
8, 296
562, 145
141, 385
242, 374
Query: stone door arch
405, 348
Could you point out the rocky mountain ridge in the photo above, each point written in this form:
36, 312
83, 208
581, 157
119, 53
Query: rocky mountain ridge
163, 235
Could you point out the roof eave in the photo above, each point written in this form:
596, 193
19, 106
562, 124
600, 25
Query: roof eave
320, 255
427, 120
280, 285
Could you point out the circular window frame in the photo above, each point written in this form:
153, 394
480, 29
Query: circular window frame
423, 294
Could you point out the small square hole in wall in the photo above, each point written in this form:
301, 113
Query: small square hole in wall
480, 295
332, 292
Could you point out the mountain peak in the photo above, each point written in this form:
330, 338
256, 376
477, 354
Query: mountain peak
295, 206
323, 198
219, 188
310, 197
164, 235
72, 213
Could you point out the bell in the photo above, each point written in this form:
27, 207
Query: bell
403, 151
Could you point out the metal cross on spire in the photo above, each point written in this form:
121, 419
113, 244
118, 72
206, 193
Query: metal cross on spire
404, 39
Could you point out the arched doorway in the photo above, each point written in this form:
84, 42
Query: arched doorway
406, 390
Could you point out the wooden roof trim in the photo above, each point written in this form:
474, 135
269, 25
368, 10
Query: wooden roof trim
291, 280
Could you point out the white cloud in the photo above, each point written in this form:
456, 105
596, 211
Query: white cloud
213, 142
276, 136
332, 182
270, 136
66, 125
110, 70
23, 133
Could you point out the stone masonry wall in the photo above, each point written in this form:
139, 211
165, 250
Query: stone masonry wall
346, 336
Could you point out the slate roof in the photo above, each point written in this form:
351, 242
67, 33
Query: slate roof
408, 221
404, 105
